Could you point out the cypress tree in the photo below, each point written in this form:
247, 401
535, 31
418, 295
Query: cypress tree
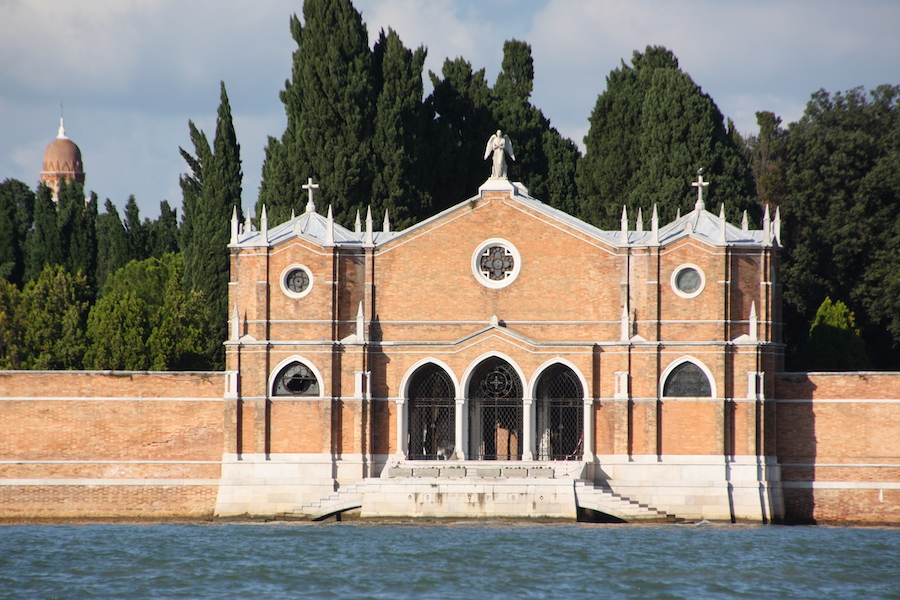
399, 141
462, 104
210, 195
112, 245
42, 244
330, 114
136, 231
16, 209
163, 232
651, 130
55, 308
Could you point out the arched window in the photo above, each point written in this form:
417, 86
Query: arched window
296, 379
559, 412
687, 380
495, 412
432, 414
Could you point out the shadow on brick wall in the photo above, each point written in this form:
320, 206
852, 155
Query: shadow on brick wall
796, 445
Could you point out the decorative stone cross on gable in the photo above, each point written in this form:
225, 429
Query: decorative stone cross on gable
700, 184
310, 186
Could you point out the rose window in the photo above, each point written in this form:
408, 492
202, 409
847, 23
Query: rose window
497, 263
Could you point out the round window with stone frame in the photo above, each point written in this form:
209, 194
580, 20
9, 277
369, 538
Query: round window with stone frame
296, 281
496, 263
688, 281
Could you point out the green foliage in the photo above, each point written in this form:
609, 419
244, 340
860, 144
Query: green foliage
163, 233
834, 343
55, 309
12, 327
651, 130
117, 329
399, 137
840, 213
145, 320
112, 244
16, 210
42, 244
211, 193
330, 105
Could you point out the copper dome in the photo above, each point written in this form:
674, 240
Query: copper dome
62, 155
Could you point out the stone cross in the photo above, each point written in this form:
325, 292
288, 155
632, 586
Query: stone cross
700, 184
310, 186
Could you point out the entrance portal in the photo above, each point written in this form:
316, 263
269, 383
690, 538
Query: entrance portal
495, 412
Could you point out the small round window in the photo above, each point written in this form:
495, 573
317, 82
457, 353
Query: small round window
688, 281
296, 281
496, 263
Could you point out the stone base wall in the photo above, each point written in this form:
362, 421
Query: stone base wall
739, 488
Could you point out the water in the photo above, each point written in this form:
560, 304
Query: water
465, 560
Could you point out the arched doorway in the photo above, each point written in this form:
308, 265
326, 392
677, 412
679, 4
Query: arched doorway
432, 406
495, 412
559, 415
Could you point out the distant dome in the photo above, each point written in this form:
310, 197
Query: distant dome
62, 155
62, 161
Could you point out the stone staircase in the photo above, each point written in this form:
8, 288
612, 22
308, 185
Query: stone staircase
342, 500
588, 495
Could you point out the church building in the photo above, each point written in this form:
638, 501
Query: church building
503, 358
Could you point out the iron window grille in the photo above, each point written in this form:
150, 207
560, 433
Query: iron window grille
559, 415
432, 415
495, 412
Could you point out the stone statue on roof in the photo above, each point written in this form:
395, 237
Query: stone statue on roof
499, 145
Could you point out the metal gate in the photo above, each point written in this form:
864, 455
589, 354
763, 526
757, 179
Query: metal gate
495, 412
432, 410
559, 408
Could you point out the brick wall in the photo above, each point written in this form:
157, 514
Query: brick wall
838, 439
110, 445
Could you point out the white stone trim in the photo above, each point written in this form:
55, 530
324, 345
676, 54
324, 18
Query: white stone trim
490, 283
404, 382
283, 277
674, 282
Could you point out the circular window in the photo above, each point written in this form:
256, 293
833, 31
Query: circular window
496, 263
296, 281
688, 281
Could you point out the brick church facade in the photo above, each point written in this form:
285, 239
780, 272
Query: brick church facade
500, 359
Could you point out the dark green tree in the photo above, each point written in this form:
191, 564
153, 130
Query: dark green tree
163, 232
55, 309
76, 224
545, 161
112, 244
12, 327
399, 142
651, 130
330, 105
840, 213
136, 232
767, 155
42, 244
464, 120
16, 213
117, 329
217, 177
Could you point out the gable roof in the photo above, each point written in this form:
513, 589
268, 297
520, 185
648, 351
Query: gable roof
698, 224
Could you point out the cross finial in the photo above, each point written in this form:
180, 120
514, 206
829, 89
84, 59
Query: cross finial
310, 186
700, 184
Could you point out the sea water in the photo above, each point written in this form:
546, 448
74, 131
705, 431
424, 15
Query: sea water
464, 560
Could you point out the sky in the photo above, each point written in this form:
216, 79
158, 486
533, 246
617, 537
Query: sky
131, 73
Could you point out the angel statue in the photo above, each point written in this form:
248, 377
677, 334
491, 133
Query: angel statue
500, 145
